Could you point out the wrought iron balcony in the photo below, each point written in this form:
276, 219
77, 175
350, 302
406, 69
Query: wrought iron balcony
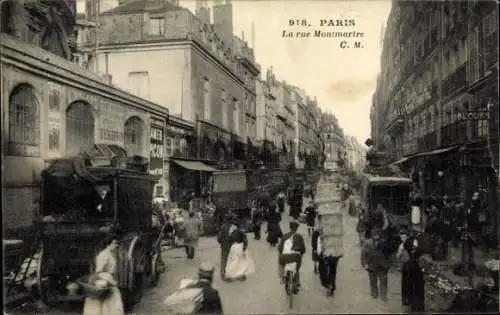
455, 81
396, 126
455, 133
491, 50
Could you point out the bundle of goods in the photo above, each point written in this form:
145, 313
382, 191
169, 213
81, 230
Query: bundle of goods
333, 227
186, 300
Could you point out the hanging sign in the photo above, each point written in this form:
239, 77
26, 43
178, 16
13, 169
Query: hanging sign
156, 146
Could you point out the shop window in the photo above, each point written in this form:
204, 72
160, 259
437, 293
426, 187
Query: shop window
134, 136
24, 116
80, 126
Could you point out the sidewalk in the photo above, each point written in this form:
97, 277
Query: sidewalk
442, 285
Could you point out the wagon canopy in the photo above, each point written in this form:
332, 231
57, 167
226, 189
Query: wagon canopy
73, 185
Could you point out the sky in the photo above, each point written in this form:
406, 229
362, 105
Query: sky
343, 80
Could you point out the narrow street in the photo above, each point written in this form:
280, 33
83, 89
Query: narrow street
262, 293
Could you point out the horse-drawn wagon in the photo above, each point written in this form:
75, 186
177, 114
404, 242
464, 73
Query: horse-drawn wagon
81, 206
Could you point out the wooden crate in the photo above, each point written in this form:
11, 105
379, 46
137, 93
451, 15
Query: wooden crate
333, 243
333, 230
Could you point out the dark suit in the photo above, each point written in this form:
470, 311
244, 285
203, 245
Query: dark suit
225, 242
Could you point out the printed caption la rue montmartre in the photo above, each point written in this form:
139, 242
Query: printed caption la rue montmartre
302, 28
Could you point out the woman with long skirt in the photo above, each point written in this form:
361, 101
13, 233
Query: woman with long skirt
106, 270
412, 278
274, 232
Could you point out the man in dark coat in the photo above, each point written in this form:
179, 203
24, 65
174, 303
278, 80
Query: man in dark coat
225, 241
257, 219
298, 246
211, 303
296, 203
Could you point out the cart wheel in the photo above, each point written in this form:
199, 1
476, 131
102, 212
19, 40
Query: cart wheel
156, 269
42, 278
131, 297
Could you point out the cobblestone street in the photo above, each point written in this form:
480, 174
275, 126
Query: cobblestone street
262, 293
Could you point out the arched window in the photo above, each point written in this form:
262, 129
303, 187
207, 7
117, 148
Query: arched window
24, 116
134, 136
79, 127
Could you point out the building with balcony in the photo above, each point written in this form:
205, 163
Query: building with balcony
439, 93
197, 69
285, 112
355, 155
334, 143
52, 108
267, 122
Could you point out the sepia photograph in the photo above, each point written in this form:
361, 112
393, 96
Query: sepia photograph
250, 157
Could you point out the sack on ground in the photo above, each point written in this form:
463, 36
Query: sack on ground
186, 300
239, 262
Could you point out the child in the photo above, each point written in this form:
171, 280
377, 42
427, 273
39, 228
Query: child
314, 243
376, 263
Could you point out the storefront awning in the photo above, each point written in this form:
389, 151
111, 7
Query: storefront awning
428, 153
438, 151
402, 160
194, 165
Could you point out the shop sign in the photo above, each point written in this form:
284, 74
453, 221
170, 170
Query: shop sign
177, 130
156, 149
474, 115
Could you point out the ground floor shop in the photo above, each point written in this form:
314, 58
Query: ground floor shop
52, 108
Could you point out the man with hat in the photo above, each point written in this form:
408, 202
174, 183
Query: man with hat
211, 303
225, 241
295, 243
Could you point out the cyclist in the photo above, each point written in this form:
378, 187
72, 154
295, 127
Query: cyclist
291, 249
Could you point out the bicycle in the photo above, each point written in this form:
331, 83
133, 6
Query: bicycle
290, 281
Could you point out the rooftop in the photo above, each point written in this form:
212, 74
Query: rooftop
140, 6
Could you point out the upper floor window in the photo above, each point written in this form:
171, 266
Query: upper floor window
157, 26
490, 24
236, 116
224, 108
207, 101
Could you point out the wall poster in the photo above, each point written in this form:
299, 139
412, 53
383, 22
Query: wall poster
156, 150
54, 119
112, 118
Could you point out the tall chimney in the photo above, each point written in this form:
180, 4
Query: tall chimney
253, 36
242, 36
203, 11
223, 22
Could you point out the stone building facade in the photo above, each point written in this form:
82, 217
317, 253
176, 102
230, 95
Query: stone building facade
200, 71
440, 64
334, 143
52, 108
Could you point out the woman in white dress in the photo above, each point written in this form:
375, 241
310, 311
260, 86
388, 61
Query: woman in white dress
105, 269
